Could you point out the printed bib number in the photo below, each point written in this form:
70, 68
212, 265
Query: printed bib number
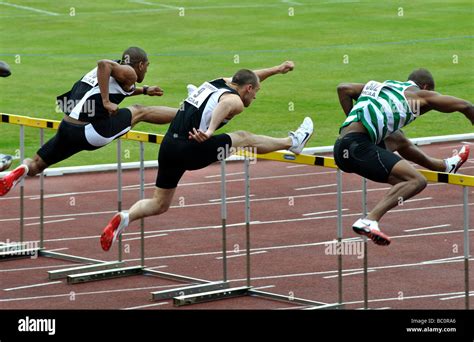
91, 78
200, 95
372, 89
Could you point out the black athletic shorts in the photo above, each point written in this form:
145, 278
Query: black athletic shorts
177, 155
72, 138
356, 153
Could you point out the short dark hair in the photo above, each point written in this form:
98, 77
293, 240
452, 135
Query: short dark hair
245, 76
134, 55
422, 77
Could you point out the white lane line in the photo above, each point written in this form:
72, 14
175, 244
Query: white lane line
263, 287
34, 285
397, 299
145, 306
35, 268
429, 227
418, 199
156, 267
323, 243
316, 187
347, 274
88, 293
295, 166
27, 8
243, 254
442, 261
254, 223
53, 221
227, 174
58, 249
458, 296
323, 212
229, 198
146, 237
152, 186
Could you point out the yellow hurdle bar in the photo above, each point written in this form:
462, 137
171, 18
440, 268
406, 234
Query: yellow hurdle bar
286, 157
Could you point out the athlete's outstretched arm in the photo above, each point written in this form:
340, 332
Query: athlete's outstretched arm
283, 68
124, 74
447, 104
263, 74
229, 106
348, 92
150, 91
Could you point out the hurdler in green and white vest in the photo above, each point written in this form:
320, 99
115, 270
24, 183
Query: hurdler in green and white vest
372, 132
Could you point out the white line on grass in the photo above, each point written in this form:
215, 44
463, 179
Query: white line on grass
27, 8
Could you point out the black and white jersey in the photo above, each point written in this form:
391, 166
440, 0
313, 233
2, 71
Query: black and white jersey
84, 102
196, 111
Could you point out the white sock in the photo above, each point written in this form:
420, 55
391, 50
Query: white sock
126, 218
294, 141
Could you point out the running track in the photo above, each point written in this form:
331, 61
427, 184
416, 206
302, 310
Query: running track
293, 213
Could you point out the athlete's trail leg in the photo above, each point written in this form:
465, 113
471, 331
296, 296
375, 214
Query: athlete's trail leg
406, 181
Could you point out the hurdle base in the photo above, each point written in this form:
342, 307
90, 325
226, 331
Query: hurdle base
68, 257
293, 300
174, 277
12, 252
65, 272
188, 290
210, 296
104, 274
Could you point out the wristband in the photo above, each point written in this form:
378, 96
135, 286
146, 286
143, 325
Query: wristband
145, 90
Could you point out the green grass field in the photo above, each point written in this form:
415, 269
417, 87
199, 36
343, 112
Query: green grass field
49, 50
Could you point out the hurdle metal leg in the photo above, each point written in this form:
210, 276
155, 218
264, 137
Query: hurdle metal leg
366, 257
94, 269
466, 244
112, 270
195, 298
339, 235
203, 286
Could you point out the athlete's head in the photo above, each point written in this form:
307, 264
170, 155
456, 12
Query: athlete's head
138, 60
422, 78
248, 85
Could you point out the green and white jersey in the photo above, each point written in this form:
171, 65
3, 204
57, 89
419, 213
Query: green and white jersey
383, 108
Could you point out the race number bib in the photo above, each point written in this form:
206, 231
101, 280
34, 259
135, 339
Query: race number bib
372, 89
91, 78
200, 95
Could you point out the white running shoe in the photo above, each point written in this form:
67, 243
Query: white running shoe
191, 88
371, 229
455, 162
5, 161
301, 136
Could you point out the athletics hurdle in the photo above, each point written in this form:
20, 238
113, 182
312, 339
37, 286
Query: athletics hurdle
94, 269
461, 180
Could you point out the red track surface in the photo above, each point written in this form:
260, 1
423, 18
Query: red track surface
290, 247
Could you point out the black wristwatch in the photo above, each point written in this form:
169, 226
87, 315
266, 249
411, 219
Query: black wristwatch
145, 90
